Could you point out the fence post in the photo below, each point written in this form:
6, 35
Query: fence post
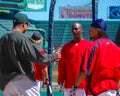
50, 49
95, 9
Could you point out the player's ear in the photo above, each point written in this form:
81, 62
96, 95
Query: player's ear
22, 25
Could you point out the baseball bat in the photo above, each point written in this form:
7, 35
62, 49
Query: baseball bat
50, 90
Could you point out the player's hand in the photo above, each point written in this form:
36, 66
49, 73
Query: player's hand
46, 81
57, 55
72, 91
61, 87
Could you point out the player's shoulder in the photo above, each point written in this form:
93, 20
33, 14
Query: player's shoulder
68, 43
87, 41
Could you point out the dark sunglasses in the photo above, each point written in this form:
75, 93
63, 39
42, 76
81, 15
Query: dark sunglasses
75, 28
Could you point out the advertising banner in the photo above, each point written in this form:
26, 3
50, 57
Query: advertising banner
35, 5
12, 5
114, 12
23, 5
75, 12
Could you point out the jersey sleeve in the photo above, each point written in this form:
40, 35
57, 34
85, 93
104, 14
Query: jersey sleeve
85, 59
32, 52
61, 68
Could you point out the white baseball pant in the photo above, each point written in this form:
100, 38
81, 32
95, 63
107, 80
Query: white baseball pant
21, 85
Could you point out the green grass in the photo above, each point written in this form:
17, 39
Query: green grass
54, 84
55, 67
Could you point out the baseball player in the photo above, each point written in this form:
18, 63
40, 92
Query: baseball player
17, 51
101, 63
70, 61
41, 72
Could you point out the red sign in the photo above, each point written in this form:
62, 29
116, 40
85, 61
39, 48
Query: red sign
75, 12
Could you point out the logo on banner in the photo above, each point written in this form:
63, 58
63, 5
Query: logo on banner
75, 12
35, 5
114, 12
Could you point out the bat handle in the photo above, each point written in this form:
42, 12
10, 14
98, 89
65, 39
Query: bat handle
50, 89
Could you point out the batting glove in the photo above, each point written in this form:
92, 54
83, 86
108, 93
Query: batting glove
61, 87
46, 81
72, 91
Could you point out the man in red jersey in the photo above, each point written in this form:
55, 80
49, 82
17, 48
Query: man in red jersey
70, 61
101, 63
40, 72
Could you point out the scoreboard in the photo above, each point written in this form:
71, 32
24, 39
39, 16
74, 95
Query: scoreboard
23, 5
12, 4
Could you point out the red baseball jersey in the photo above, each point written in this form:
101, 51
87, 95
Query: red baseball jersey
38, 69
102, 62
70, 62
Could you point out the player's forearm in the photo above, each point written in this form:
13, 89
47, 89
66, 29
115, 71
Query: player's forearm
45, 73
80, 78
49, 58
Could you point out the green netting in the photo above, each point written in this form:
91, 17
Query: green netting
62, 30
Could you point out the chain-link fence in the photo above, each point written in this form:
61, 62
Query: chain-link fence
70, 14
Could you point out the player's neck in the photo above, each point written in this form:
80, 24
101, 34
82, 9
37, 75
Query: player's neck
78, 39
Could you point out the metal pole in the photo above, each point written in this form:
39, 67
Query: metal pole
94, 10
50, 49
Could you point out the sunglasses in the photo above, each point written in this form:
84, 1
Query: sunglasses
75, 28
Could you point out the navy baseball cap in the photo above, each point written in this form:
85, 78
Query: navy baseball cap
36, 36
20, 18
99, 23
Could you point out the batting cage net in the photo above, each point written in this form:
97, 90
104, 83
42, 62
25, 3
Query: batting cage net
68, 12
65, 13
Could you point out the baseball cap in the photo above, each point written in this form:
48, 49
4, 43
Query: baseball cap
20, 18
99, 23
36, 36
